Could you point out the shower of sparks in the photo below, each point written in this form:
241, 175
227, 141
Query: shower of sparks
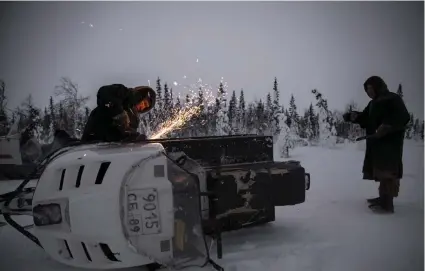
191, 108
179, 119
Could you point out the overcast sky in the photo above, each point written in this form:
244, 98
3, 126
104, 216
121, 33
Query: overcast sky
331, 46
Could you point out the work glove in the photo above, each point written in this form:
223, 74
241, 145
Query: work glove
122, 121
350, 116
382, 131
141, 137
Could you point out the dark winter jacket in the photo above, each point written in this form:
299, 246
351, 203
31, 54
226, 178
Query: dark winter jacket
113, 118
385, 116
101, 126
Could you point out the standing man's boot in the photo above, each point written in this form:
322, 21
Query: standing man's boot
385, 206
374, 201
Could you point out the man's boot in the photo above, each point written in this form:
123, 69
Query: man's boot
374, 200
385, 205
377, 200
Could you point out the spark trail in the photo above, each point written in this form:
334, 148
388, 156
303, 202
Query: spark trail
176, 122
192, 108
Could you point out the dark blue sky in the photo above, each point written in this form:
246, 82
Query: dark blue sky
331, 46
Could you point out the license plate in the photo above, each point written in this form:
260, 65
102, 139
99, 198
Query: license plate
143, 212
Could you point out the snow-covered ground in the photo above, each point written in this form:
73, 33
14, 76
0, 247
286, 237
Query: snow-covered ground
332, 231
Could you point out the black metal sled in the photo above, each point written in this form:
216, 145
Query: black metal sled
245, 183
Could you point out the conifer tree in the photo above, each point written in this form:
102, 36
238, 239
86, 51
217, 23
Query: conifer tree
277, 109
242, 113
231, 113
409, 127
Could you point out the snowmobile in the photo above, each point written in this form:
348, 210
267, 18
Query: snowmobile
154, 202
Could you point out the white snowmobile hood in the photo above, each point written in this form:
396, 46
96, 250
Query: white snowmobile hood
86, 182
74, 177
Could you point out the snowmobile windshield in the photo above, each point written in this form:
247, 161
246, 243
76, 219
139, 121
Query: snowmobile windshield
162, 208
189, 244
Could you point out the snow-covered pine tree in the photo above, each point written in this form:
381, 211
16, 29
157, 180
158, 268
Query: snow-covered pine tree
262, 126
46, 135
288, 119
312, 130
212, 117
200, 120
178, 104
157, 118
327, 132
148, 123
32, 120
53, 118
304, 125
293, 115
171, 101
159, 104
80, 124
285, 140
269, 108
251, 119
232, 114
339, 125
187, 130
409, 127
61, 116
168, 103
21, 119
242, 114
277, 110
86, 114
417, 129
293, 109
223, 127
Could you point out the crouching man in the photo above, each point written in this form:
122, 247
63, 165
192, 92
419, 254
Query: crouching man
385, 119
116, 116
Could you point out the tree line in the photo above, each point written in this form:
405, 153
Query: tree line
228, 114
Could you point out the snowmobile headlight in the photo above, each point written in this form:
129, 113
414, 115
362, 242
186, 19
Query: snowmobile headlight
47, 214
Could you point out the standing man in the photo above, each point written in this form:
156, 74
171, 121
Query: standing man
385, 119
